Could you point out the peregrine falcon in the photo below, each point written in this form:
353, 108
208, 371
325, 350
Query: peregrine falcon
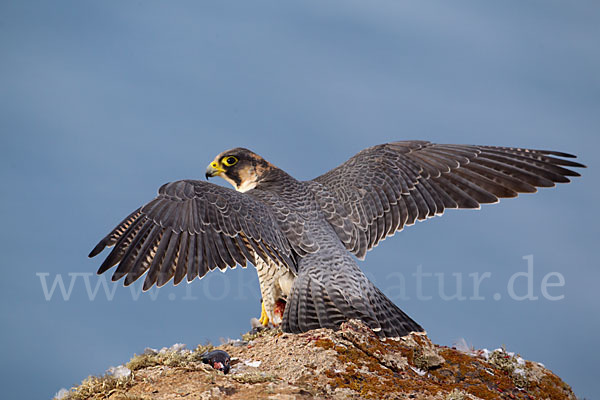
304, 237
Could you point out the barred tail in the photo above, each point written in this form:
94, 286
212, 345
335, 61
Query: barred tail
314, 304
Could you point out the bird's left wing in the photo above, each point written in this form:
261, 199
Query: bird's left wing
190, 228
386, 187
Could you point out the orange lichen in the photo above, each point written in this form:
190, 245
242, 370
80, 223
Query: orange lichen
354, 360
366, 373
324, 343
551, 387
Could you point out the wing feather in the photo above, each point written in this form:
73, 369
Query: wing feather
154, 267
190, 228
167, 269
149, 244
182, 258
194, 259
386, 187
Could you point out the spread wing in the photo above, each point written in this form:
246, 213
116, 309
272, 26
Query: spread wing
384, 188
192, 227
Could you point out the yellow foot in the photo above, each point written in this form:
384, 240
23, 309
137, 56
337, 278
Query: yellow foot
264, 318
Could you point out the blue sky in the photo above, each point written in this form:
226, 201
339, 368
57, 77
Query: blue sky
103, 102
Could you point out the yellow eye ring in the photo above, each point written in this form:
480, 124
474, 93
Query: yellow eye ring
229, 161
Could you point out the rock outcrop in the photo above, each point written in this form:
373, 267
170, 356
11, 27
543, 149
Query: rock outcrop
351, 363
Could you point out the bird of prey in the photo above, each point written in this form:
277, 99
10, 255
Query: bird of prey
304, 236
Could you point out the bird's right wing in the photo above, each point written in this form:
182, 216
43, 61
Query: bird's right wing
193, 227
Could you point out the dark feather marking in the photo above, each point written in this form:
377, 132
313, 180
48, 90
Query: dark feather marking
141, 260
167, 268
194, 258
182, 258
120, 248
133, 249
157, 261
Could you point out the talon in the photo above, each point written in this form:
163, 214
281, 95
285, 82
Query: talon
264, 318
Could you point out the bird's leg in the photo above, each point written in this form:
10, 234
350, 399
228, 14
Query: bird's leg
264, 318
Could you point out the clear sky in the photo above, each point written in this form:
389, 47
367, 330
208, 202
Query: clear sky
101, 102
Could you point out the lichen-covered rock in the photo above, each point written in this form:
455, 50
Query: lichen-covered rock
351, 363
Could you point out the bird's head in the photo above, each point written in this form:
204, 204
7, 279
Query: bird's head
240, 167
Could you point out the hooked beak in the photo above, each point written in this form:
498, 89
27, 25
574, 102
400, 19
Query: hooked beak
213, 169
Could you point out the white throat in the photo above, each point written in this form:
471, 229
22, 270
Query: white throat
244, 187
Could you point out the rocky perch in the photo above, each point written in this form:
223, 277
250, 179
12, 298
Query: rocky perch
352, 363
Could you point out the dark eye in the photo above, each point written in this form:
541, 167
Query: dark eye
229, 161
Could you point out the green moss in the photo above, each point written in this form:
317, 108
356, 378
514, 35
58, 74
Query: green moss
253, 377
100, 387
260, 332
501, 360
426, 360
507, 363
184, 359
520, 380
456, 395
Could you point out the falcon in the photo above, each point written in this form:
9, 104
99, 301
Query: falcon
304, 237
